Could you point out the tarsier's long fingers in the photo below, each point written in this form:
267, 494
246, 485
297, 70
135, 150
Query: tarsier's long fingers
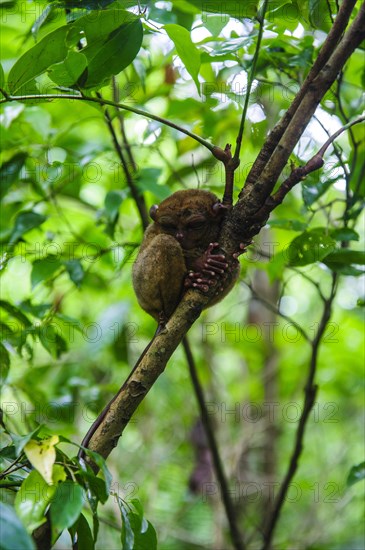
242, 249
215, 263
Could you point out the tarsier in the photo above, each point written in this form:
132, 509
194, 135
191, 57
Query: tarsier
179, 252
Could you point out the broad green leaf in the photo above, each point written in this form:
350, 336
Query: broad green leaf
344, 261
13, 533
310, 247
318, 15
38, 310
9, 172
215, 24
51, 340
147, 181
84, 534
313, 189
21, 440
4, 363
344, 234
101, 463
137, 532
114, 38
357, 473
24, 222
113, 200
187, 51
66, 506
15, 312
68, 71
33, 499
42, 455
44, 269
75, 271
95, 485
51, 49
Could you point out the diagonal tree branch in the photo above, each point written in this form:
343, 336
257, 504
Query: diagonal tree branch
275, 135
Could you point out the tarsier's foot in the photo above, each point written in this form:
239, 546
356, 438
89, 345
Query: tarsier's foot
162, 320
195, 280
211, 267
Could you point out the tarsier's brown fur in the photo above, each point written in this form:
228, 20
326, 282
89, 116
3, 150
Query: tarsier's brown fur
177, 252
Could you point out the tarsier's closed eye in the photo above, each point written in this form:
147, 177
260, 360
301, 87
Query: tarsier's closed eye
198, 224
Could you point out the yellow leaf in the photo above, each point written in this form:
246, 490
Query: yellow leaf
42, 456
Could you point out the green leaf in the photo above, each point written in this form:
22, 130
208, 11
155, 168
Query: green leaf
68, 71
44, 269
310, 247
15, 312
75, 271
214, 23
13, 533
186, 50
51, 340
114, 38
51, 49
84, 534
4, 363
343, 260
21, 440
2, 77
147, 181
356, 474
113, 200
24, 222
137, 532
95, 485
344, 234
318, 15
66, 506
313, 189
101, 463
38, 310
32, 500
9, 172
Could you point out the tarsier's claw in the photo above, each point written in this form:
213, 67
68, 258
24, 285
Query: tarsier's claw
242, 250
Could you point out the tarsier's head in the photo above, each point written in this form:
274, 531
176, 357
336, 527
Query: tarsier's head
192, 217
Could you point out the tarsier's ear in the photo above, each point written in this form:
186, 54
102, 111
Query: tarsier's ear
220, 209
153, 211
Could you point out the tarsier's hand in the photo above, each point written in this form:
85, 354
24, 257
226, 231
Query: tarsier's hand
210, 267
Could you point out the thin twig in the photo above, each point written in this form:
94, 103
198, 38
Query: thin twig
138, 198
310, 392
261, 20
236, 536
79, 97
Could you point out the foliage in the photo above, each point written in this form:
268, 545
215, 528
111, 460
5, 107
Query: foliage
71, 327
